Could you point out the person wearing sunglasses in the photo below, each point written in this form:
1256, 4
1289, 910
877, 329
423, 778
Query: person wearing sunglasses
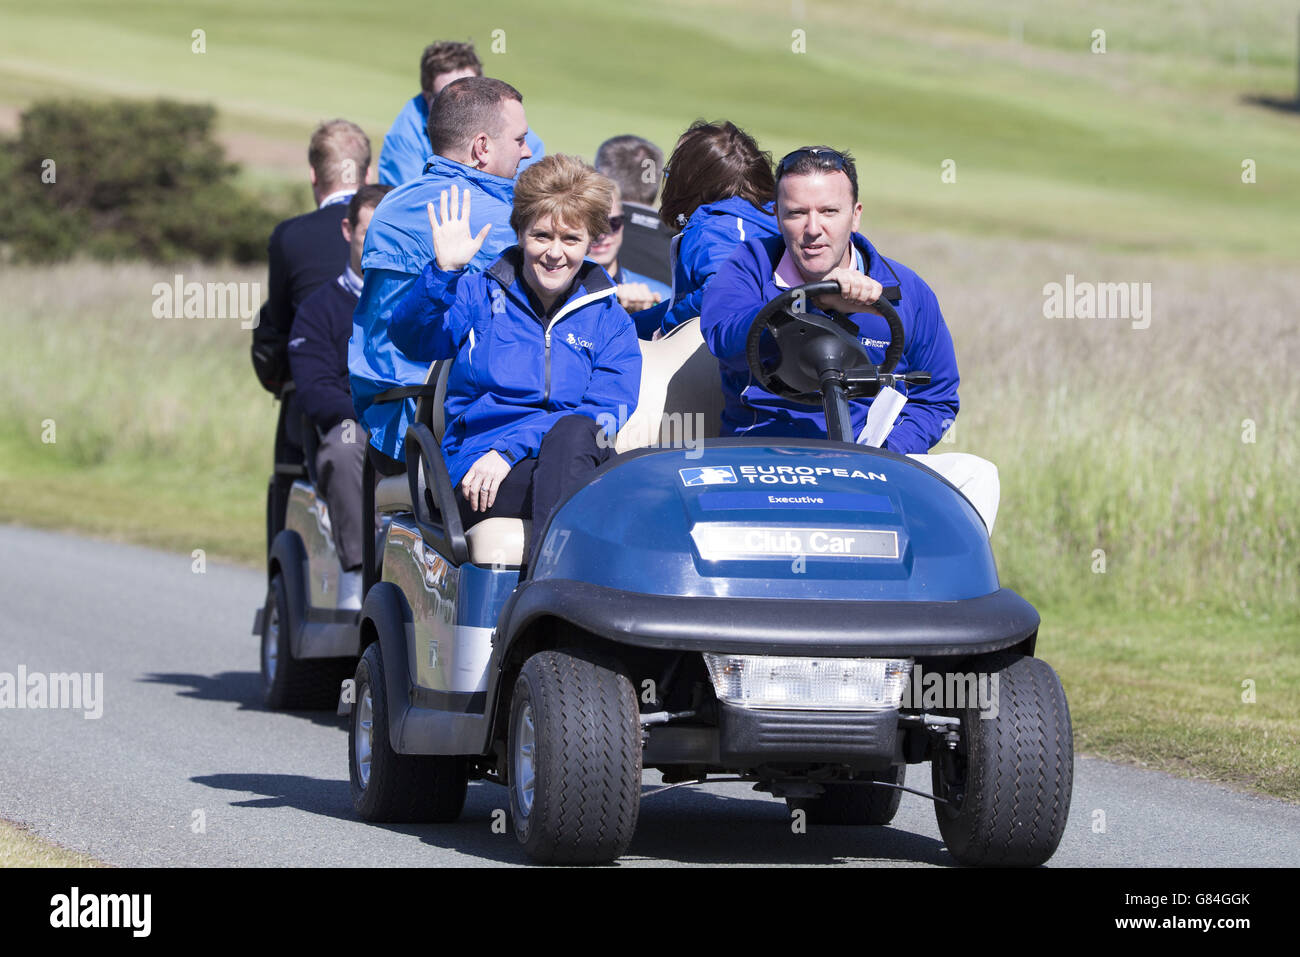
718, 191
635, 291
818, 213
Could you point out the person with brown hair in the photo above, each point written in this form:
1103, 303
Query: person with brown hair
635, 291
636, 167
718, 190
544, 354
407, 149
303, 254
318, 359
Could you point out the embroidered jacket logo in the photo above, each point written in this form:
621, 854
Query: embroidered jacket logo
578, 341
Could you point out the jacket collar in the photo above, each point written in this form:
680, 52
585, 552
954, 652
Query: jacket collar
496, 186
591, 283
877, 268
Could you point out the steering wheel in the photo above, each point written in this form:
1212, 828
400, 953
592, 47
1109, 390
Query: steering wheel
811, 346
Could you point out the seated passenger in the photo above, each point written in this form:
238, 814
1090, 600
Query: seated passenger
718, 191
541, 345
635, 292
318, 359
636, 167
408, 148
819, 213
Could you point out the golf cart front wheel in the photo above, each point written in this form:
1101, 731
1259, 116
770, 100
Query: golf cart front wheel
387, 786
575, 760
1008, 783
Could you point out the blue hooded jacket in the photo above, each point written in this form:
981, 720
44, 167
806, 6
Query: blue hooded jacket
711, 235
407, 150
748, 281
517, 372
399, 244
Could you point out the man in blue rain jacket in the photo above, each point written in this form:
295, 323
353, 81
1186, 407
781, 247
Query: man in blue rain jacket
481, 128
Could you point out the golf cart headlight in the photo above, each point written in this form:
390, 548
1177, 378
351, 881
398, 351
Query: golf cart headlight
821, 684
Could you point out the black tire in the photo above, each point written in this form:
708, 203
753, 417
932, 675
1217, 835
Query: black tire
288, 683
584, 724
847, 802
1011, 777
395, 787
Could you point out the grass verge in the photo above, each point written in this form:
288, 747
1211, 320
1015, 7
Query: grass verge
20, 848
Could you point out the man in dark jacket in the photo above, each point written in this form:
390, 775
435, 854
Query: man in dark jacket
309, 250
318, 358
636, 165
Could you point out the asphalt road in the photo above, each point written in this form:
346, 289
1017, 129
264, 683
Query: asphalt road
182, 741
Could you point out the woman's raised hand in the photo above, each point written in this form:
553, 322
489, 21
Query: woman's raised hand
453, 246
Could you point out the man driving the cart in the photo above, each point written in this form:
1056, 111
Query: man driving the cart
818, 213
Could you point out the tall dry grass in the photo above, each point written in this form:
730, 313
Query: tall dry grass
83, 348
1169, 452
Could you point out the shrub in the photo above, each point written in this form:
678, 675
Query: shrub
126, 179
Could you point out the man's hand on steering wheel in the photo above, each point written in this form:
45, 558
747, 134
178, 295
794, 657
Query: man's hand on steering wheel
857, 291
483, 479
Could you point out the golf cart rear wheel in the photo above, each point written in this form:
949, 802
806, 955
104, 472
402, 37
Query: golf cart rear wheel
289, 683
575, 760
854, 802
1009, 781
392, 787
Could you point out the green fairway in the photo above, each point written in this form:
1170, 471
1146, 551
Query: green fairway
1138, 147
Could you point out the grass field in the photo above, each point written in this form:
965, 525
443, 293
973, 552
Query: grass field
1149, 505
1138, 147
20, 848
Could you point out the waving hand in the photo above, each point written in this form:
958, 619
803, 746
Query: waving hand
453, 246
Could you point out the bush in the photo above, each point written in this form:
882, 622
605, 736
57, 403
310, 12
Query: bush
126, 179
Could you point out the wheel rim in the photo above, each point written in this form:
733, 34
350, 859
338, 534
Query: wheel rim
271, 643
364, 736
525, 769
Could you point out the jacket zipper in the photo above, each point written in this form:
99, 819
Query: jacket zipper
570, 307
546, 396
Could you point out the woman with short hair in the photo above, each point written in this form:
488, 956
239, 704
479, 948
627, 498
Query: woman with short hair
543, 350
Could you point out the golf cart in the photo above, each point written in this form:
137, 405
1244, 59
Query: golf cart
757, 609
309, 645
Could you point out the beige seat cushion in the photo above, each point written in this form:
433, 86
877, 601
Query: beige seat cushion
499, 541
681, 393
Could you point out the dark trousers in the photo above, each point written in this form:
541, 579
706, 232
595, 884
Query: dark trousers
570, 452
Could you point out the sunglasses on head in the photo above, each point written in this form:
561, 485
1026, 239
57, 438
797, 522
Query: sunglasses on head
825, 158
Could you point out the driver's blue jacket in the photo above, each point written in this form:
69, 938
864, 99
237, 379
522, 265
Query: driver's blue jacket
518, 370
407, 150
748, 280
399, 244
711, 235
